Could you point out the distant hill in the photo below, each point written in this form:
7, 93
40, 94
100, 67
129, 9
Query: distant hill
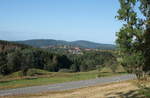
80, 43
88, 44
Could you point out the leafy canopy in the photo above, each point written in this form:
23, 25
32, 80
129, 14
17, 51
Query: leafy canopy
133, 39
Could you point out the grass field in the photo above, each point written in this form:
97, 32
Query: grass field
14, 81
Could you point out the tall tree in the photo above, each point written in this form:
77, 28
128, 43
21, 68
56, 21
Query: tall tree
133, 39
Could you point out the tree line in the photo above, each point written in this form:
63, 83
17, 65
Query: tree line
24, 59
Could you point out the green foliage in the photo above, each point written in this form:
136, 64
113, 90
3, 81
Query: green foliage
133, 39
91, 60
24, 59
14, 60
83, 67
65, 70
145, 92
74, 68
3, 66
120, 69
4, 70
106, 70
35, 72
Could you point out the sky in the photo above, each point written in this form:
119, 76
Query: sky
70, 20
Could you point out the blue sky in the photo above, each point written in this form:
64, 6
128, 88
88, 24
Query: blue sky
70, 20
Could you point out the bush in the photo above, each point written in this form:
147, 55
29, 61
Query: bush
34, 72
65, 70
83, 68
106, 70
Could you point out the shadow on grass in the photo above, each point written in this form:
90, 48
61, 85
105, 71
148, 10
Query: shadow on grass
130, 94
145, 91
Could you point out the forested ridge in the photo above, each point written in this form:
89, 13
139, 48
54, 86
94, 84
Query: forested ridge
21, 57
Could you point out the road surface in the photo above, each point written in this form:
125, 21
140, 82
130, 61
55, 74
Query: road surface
66, 85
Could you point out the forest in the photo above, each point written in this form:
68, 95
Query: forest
22, 58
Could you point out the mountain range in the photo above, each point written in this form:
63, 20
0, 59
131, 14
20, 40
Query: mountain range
79, 43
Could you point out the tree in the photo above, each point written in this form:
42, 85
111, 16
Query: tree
52, 65
3, 66
14, 61
74, 68
64, 62
133, 39
27, 61
83, 68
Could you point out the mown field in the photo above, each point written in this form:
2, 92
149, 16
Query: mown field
41, 77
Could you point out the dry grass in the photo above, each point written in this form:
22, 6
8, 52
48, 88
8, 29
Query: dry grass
114, 90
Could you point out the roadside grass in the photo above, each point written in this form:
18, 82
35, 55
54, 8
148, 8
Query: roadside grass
124, 89
144, 86
14, 81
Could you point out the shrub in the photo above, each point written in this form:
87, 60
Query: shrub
65, 70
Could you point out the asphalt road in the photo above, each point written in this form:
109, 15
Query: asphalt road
66, 85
